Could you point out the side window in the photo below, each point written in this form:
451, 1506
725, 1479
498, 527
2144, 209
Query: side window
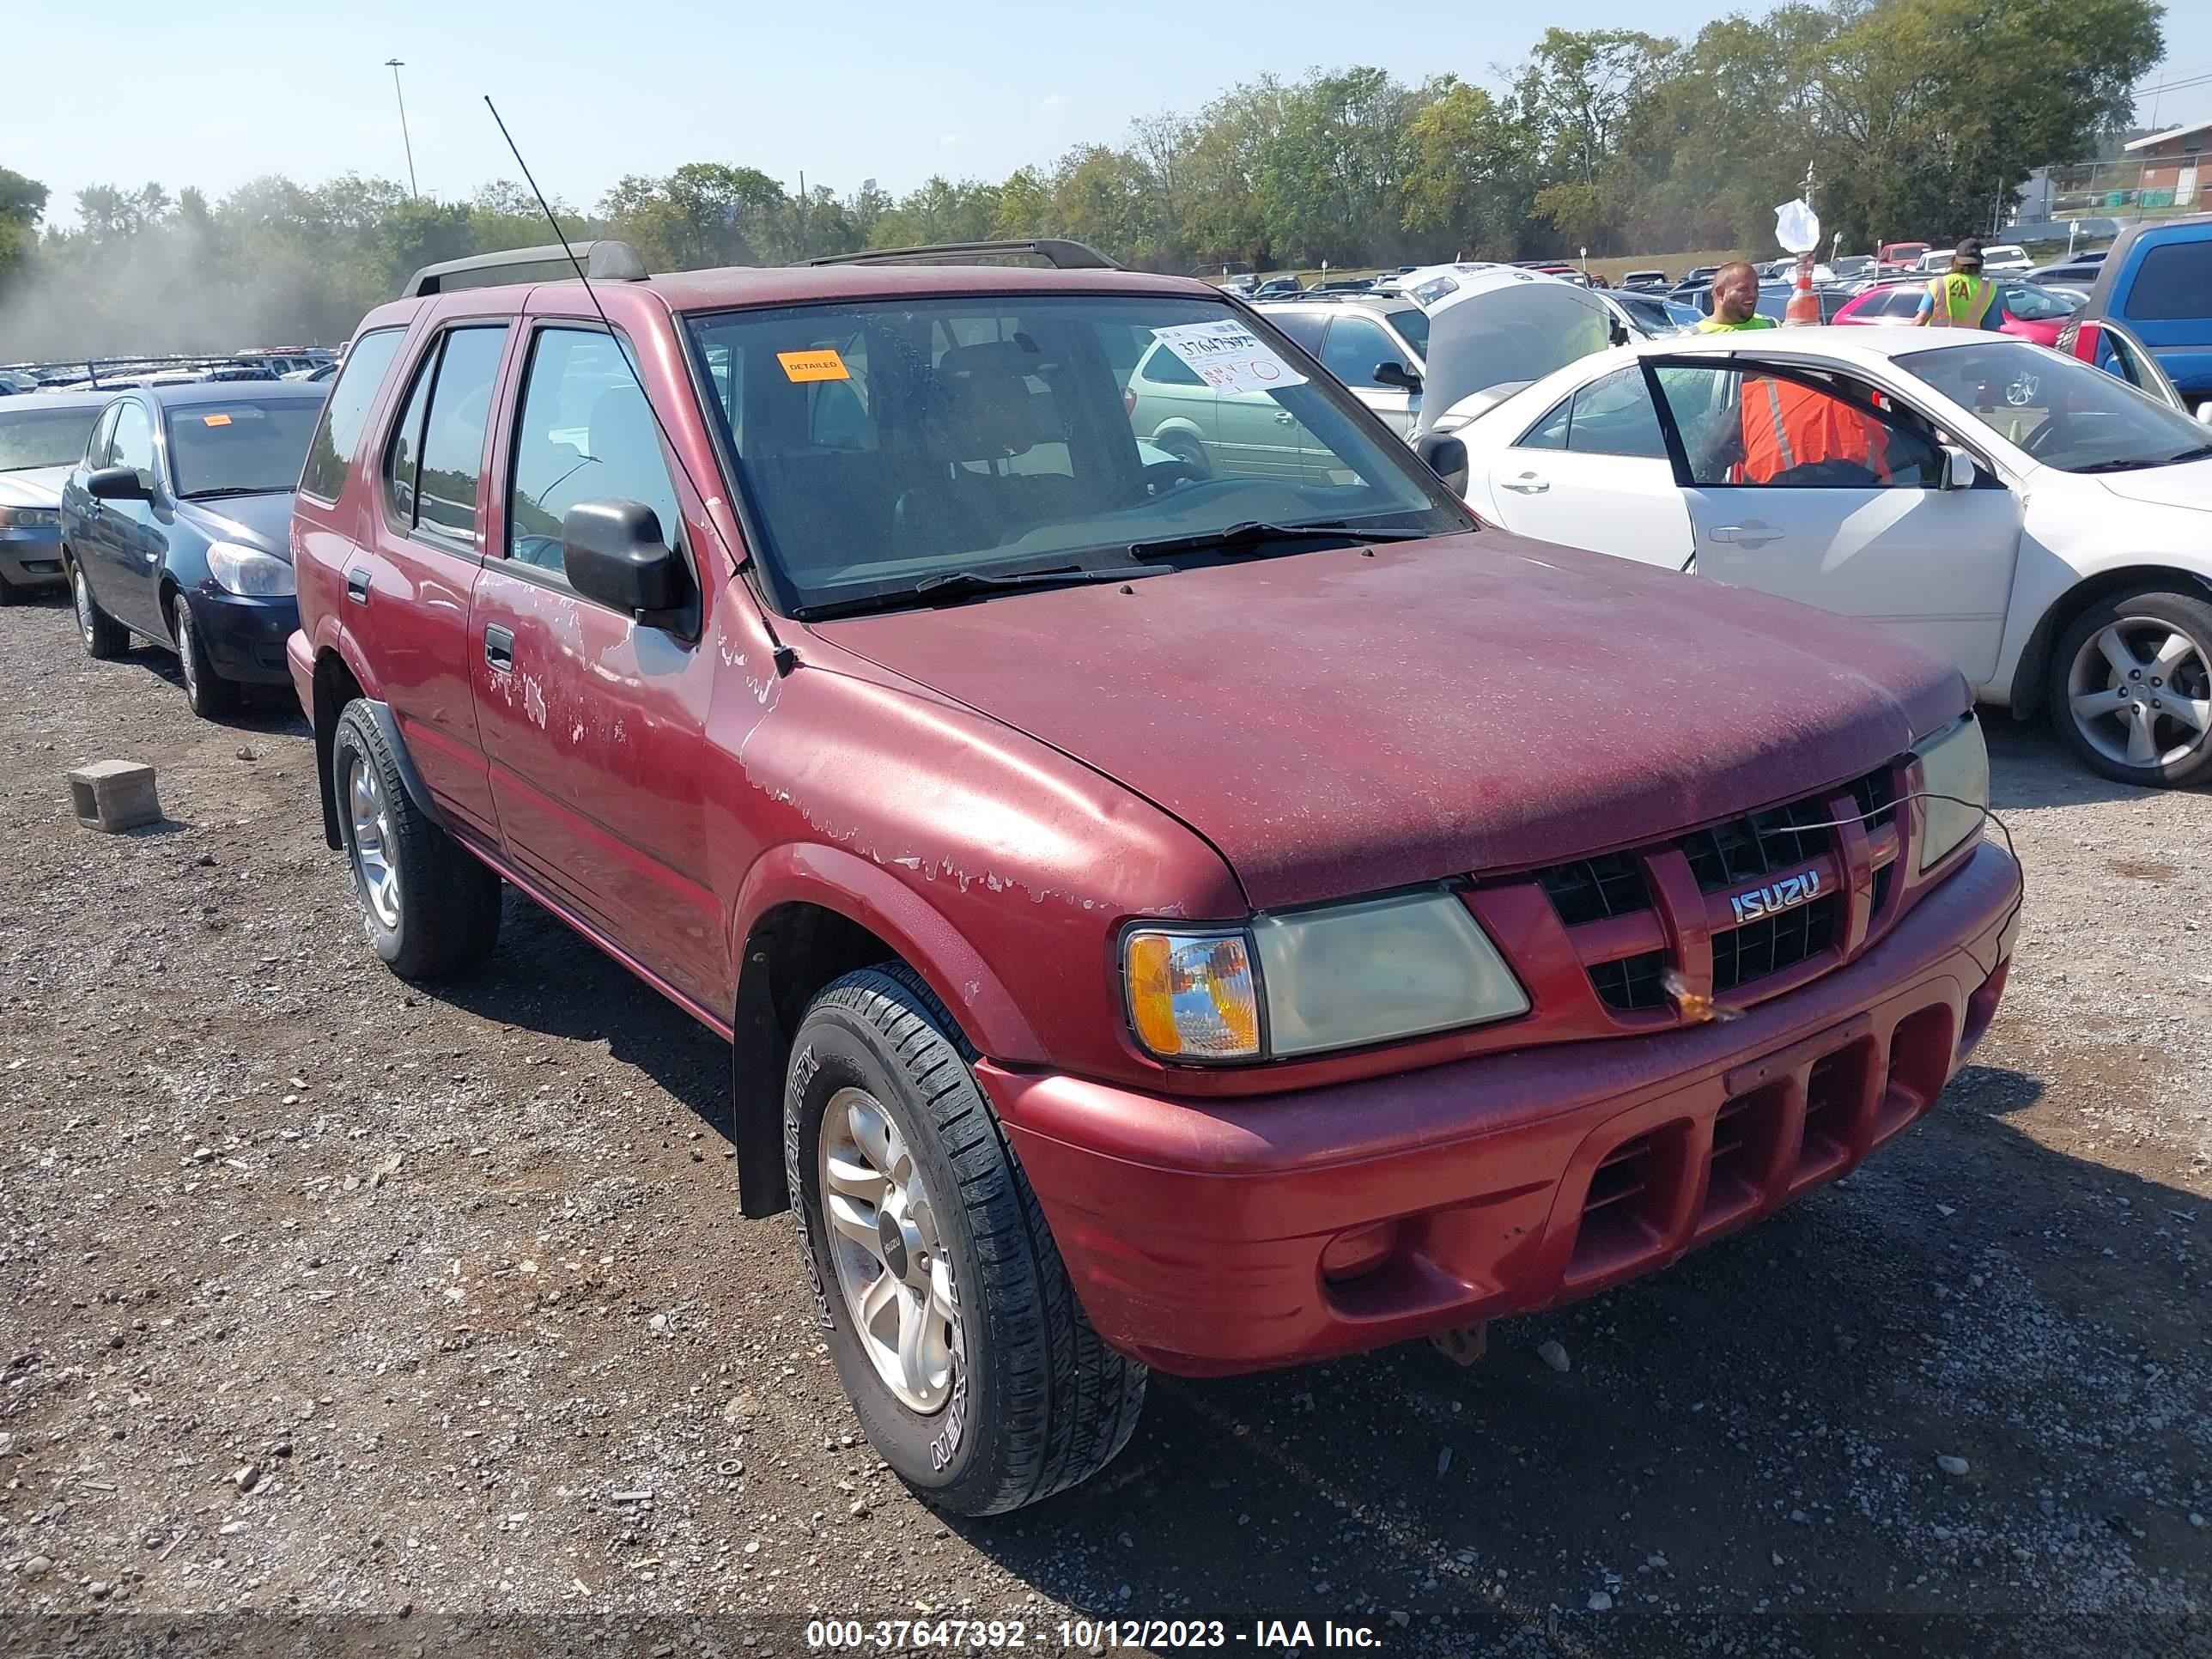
1163, 368
586, 434
1551, 432
1303, 326
103, 437
435, 463
331, 451
1615, 416
1742, 427
132, 442
2171, 283
1355, 347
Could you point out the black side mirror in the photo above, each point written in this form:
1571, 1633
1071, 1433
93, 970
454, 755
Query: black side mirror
1397, 374
1447, 458
615, 553
117, 483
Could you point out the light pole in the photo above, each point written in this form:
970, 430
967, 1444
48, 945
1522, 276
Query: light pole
395, 64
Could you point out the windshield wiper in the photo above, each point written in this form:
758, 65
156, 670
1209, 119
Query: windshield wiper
232, 490
950, 584
1252, 534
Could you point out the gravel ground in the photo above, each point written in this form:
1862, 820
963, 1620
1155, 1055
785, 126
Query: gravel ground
321, 1295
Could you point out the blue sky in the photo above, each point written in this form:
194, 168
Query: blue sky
218, 93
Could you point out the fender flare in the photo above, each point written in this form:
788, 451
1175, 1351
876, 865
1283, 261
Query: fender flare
868, 896
2026, 694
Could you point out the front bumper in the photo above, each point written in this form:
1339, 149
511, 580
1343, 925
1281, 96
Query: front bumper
244, 636
1193, 1230
31, 555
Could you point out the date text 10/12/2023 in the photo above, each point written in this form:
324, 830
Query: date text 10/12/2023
1084, 1635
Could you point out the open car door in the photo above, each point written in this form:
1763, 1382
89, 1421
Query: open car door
1815, 486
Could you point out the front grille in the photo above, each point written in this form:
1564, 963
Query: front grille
1758, 846
1773, 943
1591, 890
1633, 984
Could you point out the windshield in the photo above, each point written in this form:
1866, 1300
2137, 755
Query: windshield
885, 447
2060, 410
239, 448
32, 437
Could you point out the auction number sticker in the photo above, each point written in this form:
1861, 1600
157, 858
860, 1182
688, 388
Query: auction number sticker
1229, 356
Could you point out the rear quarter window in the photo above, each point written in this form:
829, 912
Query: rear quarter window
2173, 280
345, 413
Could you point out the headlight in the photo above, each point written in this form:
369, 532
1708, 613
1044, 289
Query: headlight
1955, 764
249, 571
28, 518
1338, 977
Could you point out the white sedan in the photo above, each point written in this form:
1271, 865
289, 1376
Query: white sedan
2039, 523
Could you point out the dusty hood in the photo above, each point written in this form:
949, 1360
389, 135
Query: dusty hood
35, 486
1335, 723
2185, 484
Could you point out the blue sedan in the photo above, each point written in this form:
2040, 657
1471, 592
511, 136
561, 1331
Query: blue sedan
177, 526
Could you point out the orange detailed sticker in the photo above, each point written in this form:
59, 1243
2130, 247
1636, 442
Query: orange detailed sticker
216, 420
820, 364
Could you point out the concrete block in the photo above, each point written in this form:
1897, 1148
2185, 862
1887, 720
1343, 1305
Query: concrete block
114, 795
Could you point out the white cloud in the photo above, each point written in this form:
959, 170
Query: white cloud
952, 141
1050, 102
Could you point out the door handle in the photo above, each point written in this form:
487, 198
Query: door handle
1528, 483
357, 587
499, 648
1750, 533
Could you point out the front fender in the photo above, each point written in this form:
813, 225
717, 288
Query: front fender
864, 892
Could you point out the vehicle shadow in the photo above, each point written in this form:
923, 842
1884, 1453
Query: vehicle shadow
1745, 1445
2031, 770
274, 710
548, 979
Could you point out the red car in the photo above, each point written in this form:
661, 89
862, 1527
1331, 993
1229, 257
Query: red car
1207, 915
2032, 312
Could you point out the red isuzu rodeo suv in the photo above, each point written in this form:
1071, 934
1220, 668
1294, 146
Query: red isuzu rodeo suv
1207, 911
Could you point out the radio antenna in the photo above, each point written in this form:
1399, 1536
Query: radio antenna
784, 657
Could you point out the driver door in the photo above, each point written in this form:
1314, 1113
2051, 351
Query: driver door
1884, 543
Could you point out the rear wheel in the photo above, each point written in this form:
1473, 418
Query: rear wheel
2131, 688
1187, 450
949, 1314
428, 906
104, 637
211, 696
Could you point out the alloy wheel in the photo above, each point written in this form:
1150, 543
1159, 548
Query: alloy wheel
2141, 692
374, 873
80, 591
182, 619
892, 1268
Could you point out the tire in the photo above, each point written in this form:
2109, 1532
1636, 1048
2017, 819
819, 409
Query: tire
1013, 1396
2131, 687
428, 907
104, 638
10, 593
211, 696
1187, 449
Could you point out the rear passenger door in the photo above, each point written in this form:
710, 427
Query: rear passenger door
410, 590
1593, 472
593, 725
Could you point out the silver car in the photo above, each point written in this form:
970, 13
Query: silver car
1378, 346
1224, 435
42, 436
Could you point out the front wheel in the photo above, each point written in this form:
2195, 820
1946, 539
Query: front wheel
2131, 687
211, 696
948, 1313
428, 908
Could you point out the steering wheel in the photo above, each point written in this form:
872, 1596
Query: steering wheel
1161, 477
2062, 429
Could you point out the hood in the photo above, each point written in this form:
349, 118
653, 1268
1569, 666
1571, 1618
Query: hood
35, 486
2188, 483
1337, 724
262, 521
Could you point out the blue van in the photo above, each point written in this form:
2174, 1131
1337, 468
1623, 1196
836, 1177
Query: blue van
2157, 280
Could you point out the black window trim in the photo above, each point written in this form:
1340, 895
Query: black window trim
503, 562
470, 548
399, 351
1808, 376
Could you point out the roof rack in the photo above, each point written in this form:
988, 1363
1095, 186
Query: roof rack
604, 261
1061, 254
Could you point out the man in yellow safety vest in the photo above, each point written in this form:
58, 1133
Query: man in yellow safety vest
1961, 297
